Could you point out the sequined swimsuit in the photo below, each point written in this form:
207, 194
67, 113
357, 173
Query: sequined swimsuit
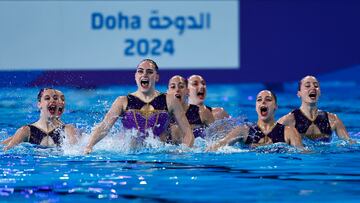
144, 116
302, 123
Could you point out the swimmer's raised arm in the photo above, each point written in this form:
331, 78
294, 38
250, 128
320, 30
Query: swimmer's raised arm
176, 109
103, 128
21, 135
238, 133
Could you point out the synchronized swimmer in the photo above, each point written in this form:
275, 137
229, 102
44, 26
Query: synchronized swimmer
180, 115
266, 130
198, 116
308, 120
49, 130
145, 109
197, 94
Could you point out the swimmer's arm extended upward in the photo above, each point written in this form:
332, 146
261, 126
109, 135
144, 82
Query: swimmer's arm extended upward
180, 118
103, 128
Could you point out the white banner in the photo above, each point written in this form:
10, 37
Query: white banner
104, 35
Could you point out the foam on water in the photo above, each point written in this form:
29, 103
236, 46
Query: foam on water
124, 141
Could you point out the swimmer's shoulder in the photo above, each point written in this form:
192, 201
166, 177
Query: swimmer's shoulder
288, 119
121, 102
219, 113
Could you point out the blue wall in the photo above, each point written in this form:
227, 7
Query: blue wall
281, 40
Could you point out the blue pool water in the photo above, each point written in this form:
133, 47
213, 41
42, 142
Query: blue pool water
165, 173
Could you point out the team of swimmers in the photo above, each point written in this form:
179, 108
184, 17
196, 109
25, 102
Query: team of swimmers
180, 115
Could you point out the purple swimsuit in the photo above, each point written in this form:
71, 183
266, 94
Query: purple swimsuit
146, 116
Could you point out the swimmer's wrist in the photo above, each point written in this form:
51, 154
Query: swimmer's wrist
88, 149
89, 146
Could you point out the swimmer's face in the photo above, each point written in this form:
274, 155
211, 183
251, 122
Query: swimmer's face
177, 86
146, 76
48, 102
61, 103
309, 90
265, 105
197, 89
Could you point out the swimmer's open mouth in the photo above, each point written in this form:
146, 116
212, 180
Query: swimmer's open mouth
178, 96
312, 95
52, 109
264, 110
60, 110
201, 95
144, 83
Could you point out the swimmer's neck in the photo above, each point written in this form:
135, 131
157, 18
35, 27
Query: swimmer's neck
47, 123
266, 125
194, 103
310, 110
147, 96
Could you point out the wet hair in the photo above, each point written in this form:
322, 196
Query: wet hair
150, 61
185, 80
274, 95
300, 81
41, 92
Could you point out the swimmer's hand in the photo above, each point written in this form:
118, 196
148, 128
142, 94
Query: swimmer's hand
6, 148
88, 150
350, 141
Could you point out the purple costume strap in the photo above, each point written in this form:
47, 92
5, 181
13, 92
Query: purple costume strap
146, 116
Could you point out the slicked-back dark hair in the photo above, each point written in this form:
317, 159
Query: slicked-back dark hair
41, 92
300, 81
274, 95
185, 80
150, 61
